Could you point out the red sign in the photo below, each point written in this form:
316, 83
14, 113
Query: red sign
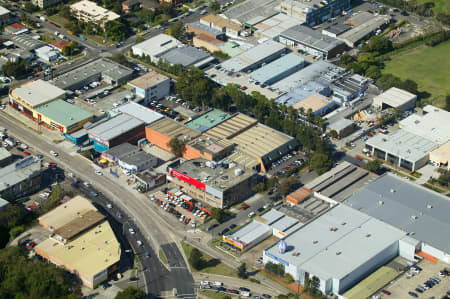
187, 179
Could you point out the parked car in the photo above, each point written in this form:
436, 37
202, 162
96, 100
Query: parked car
251, 214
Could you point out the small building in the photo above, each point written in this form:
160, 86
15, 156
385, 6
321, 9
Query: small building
45, 3
114, 131
198, 28
81, 240
20, 178
278, 69
207, 120
209, 43
441, 155
140, 112
224, 25
313, 12
335, 30
298, 196
88, 11
77, 137
187, 56
156, 46
272, 27
130, 157
26, 42
114, 154
16, 29
62, 116
395, 98
130, 5
5, 157
315, 103
401, 148
365, 25
151, 86
231, 48
315, 92
46, 53
6, 17
147, 180
211, 183
60, 44
343, 127
312, 42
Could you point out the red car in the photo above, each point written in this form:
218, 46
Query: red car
51, 23
31, 245
243, 87
26, 153
369, 135
358, 158
385, 292
245, 207
233, 291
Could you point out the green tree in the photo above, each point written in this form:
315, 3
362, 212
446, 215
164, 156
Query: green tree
373, 72
321, 163
214, 6
131, 293
289, 185
373, 166
195, 258
16, 69
177, 147
346, 59
177, 30
380, 44
30, 7
259, 188
217, 214
276, 269
242, 271
15, 231
333, 134
116, 30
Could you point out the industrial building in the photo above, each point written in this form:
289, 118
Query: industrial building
26, 42
340, 248
419, 212
343, 127
278, 69
81, 241
187, 56
315, 103
335, 30
255, 57
231, 48
207, 120
140, 112
47, 53
130, 158
209, 43
312, 42
250, 12
6, 17
305, 204
98, 70
313, 12
33, 94
364, 30
224, 25
156, 46
395, 98
402, 148
215, 184
5, 157
441, 155
272, 223
151, 86
272, 27
62, 116
198, 28
114, 131
147, 180
20, 178
89, 11
314, 95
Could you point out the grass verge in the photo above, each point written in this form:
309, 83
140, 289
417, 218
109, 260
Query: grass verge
210, 264
162, 257
215, 295
434, 188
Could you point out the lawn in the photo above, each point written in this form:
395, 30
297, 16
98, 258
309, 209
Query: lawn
442, 6
211, 265
162, 257
215, 295
428, 66
372, 283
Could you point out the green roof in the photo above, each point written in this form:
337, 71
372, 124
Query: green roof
231, 49
207, 120
63, 113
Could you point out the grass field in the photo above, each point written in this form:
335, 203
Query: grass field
442, 6
428, 66
211, 265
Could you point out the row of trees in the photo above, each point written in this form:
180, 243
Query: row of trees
16, 69
13, 220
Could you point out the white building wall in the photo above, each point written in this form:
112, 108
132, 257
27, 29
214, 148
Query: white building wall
439, 254
407, 250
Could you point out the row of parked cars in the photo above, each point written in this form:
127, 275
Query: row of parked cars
431, 282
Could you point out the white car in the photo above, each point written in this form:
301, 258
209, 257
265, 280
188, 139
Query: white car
131, 231
98, 172
251, 214
54, 154
109, 206
139, 242
218, 283
86, 184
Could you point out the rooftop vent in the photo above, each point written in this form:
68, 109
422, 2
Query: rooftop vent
338, 252
380, 202
333, 229
315, 242
429, 206
368, 235
392, 190
414, 217
343, 223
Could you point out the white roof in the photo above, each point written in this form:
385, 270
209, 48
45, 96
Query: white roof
17, 172
157, 45
3, 11
140, 112
96, 12
433, 125
394, 97
38, 92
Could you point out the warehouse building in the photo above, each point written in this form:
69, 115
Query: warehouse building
272, 27
343, 127
340, 248
224, 25
207, 120
395, 98
198, 28
151, 86
315, 103
255, 57
315, 95
33, 94
216, 185
312, 42
6, 17
209, 43
278, 69
416, 210
232, 48
5, 157
147, 180
130, 158
81, 240
313, 12
117, 130
363, 30
251, 12
335, 30
187, 56
156, 46
20, 178
98, 70
140, 112
26, 42
62, 116
402, 148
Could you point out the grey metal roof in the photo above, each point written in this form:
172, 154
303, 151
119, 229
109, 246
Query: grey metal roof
359, 32
337, 29
186, 56
121, 150
311, 38
341, 124
38, 92
17, 172
395, 200
137, 158
284, 223
285, 65
250, 232
401, 143
140, 112
251, 9
114, 127
303, 91
4, 153
79, 133
272, 216
337, 243
27, 42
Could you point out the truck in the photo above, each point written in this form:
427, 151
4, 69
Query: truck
82, 37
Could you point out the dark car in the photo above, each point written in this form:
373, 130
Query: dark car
260, 210
232, 226
233, 291
221, 289
385, 292
134, 278
419, 290
413, 294
224, 231
244, 289
267, 296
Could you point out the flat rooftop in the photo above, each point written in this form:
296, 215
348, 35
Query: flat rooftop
89, 254
364, 28
251, 9
67, 212
79, 224
186, 56
315, 102
341, 124
157, 45
63, 113
395, 97
312, 38
231, 127
221, 22
403, 144
250, 232
96, 12
337, 29
114, 127
294, 96
140, 112
206, 28
273, 26
19, 171
274, 70
121, 150
4, 153
207, 120
434, 124
337, 243
148, 80
253, 56
136, 158
38, 92
218, 177
408, 206
171, 129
